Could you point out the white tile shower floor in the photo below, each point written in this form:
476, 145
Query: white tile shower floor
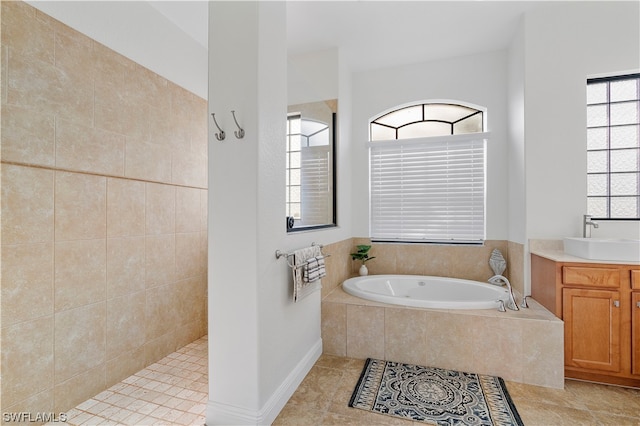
173, 391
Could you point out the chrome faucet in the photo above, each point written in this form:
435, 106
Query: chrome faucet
586, 221
498, 280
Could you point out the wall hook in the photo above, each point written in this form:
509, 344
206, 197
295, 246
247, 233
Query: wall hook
240, 132
220, 136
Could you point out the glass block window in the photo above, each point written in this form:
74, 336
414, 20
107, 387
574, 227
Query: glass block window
613, 147
427, 175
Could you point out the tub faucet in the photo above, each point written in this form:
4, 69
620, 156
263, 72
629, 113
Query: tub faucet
498, 280
586, 222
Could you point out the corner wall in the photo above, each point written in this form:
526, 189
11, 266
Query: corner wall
104, 207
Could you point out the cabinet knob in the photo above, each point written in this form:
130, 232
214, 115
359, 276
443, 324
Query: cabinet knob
638, 304
616, 303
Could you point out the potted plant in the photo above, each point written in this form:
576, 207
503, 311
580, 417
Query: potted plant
363, 256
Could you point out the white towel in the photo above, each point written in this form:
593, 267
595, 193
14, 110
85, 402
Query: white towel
314, 269
300, 258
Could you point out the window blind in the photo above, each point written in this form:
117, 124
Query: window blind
317, 207
428, 189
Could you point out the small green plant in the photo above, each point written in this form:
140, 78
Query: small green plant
362, 254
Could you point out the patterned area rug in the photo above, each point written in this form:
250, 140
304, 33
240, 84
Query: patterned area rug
434, 395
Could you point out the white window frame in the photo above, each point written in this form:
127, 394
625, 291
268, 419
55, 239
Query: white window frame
466, 226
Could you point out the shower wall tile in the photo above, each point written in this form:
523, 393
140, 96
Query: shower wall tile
73, 391
81, 204
125, 324
80, 273
103, 162
160, 209
27, 205
124, 365
80, 340
125, 266
27, 359
27, 282
27, 138
82, 148
160, 263
188, 211
35, 41
125, 207
147, 160
188, 255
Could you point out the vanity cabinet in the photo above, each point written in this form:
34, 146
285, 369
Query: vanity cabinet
600, 307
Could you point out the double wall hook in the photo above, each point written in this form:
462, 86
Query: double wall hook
220, 136
240, 132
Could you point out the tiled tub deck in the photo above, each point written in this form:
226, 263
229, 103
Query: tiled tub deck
524, 346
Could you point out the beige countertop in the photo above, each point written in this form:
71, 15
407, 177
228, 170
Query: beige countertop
558, 255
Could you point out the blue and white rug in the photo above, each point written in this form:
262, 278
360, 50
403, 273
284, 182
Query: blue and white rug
434, 395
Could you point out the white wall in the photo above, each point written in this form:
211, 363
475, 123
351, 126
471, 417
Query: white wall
478, 79
565, 43
261, 343
516, 170
313, 76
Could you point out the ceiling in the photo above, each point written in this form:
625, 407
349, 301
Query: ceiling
171, 37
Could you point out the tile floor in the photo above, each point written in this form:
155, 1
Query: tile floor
173, 391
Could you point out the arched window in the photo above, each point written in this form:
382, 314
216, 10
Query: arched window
427, 173
426, 119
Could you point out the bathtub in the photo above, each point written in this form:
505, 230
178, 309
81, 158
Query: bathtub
426, 291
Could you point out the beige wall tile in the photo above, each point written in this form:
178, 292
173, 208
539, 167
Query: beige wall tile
39, 403
74, 53
82, 148
147, 160
189, 167
188, 210
125, 266
334, 328
543, 353
497, 341
27, 205
411, 259
80, 273
449, 337
405, 338
157, 349
27, 282
4, 51
125, 207
386, 256
27, 359
35, 41
515, 265
81, 204
160, 259
27, 138
186, 300
79, 388
160, 209
189, 256
124, 365
125, 324
365, 332
204, 209
79, 341
161, 316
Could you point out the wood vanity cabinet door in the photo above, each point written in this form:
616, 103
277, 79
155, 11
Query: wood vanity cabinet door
592, 328
635, 332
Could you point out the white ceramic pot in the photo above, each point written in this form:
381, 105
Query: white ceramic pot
364, 270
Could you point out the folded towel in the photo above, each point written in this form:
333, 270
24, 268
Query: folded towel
314, 269
300, 258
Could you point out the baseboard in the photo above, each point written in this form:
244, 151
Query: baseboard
223, 414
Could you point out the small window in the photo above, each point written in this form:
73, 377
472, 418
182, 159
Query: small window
427, 174
613, 147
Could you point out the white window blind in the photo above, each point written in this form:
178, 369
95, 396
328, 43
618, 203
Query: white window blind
317, 206
428, 189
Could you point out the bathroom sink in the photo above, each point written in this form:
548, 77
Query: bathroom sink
612, 249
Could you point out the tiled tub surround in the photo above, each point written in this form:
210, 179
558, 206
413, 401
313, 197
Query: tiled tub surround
523, 346
103, 215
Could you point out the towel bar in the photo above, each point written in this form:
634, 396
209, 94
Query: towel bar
287, 255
